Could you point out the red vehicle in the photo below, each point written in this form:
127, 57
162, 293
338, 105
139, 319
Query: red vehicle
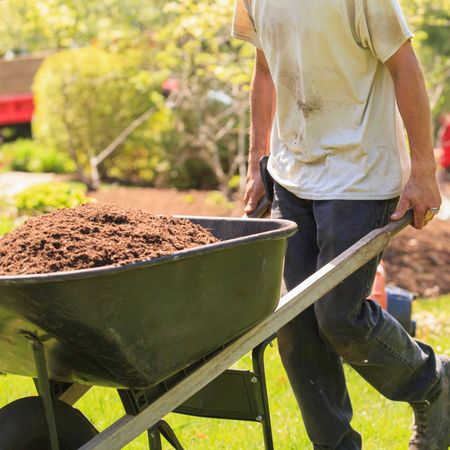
445, 143
16, 99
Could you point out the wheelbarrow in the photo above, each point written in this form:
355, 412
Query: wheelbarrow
163, 332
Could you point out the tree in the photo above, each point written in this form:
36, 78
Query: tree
88, 103
34, 25
213, 72
430, 19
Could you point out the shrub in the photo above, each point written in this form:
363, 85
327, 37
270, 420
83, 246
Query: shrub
6, 225
29, 156
86, 97
46, 197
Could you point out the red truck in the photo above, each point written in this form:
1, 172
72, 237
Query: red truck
16, 99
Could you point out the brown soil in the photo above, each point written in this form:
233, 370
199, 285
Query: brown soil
170, 201
94, 235
419, 260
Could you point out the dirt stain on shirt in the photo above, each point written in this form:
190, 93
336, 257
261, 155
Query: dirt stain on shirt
309, 108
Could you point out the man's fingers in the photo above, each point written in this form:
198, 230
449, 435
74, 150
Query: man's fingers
419, 217
252, 203
250, 207
253, 193
402, 207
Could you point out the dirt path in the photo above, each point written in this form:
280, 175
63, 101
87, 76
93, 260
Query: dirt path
170, 201
12, 183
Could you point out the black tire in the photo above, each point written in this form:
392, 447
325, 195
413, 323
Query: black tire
23, 426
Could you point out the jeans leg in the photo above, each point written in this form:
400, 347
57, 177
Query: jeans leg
366, 336
314, 368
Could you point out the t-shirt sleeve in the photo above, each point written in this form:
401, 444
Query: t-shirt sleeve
382, 27
243, 24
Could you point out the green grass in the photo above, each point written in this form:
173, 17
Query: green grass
383, 424
6, 225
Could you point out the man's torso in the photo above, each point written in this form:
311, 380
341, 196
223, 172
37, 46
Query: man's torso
337, 133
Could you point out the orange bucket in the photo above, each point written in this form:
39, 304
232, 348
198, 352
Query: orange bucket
378, 293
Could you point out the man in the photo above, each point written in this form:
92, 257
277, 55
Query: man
331, 80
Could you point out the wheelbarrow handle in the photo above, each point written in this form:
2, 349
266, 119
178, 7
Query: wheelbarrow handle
262, 208
394, 227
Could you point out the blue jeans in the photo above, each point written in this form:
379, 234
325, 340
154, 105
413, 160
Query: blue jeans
343, 324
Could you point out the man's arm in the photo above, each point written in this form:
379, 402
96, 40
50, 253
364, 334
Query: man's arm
262, 103
421, 192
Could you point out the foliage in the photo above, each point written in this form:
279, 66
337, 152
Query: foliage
430, 19
34, 25
143, 157
6, 225
7, 215
213, 71
217, 198
100, 90
29, 156
43, 198
187, 172
86, 97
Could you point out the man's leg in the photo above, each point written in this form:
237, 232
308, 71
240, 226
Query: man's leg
314, 368
361, 332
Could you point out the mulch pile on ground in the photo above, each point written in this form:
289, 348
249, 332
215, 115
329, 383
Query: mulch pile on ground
95, 235
419, 260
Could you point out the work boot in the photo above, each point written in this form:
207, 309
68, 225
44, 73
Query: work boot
431, 430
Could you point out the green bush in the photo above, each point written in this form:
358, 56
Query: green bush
192, 173
143, 159
44, 198
29, 156
86, 97
6, 225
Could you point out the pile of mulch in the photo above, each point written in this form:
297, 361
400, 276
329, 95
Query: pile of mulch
419, 260
95, 235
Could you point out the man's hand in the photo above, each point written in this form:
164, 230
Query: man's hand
421, 194
254, 190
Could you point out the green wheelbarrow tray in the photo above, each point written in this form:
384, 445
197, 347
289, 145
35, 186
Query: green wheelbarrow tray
134, 326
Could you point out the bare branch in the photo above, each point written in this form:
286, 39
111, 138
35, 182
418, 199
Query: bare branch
224, 130
120, 139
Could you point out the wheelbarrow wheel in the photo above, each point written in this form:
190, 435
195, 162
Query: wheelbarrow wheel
23, 426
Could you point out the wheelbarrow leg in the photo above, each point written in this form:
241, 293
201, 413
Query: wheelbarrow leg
164, 429
258, 368
154, 439
44, 388
136, 401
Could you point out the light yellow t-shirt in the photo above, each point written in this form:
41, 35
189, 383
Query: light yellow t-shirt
337, 132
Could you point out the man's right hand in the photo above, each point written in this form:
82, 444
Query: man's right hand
254, 190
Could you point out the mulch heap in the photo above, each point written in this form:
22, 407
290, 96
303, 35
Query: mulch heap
419, 260
95, 235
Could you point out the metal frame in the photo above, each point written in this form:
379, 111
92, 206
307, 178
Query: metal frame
43, 386
233, 395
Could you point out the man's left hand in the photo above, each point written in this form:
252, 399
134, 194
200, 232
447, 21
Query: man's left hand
422, 195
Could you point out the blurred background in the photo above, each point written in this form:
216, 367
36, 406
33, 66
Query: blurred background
148, 93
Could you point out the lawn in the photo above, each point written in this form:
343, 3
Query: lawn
383, 424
